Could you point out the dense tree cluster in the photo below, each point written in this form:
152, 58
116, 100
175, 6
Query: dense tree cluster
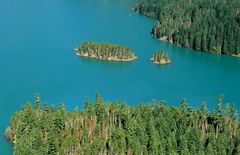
103, 128
160, 57
105, 51
212, 25
37, 130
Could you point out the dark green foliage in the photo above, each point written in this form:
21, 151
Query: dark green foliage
116, 128
105, 51
160, 57
199, 24
36, 130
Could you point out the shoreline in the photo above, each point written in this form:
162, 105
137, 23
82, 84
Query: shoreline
162, 62
236, 55
163, 39
107, 59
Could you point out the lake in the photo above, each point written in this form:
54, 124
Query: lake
36, 56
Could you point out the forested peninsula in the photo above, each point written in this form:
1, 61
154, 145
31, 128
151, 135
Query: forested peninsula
117, 128
160, 57
210, 26
105, 51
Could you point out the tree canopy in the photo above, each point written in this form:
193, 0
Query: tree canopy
212, 26
160, 57
105, 51
117, 128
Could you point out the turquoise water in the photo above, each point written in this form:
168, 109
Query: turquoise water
36, 55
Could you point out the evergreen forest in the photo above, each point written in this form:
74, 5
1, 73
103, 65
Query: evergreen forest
160, 57
117, 128
210, 26
105, 51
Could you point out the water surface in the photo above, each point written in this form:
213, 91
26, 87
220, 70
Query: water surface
36, 55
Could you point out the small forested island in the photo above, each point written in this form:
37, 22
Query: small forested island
117, 128
160, 57
211, 26
105, 51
